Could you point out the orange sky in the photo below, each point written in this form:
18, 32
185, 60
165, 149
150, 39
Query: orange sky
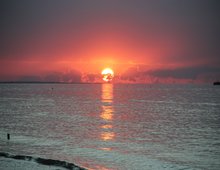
162, 40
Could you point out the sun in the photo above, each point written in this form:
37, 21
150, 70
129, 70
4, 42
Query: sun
107, 74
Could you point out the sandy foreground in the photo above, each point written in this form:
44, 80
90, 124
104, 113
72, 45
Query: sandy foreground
12, 164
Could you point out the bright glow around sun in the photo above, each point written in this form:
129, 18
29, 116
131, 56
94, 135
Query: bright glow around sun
107, 74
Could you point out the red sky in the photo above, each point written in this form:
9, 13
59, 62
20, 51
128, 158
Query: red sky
142, 41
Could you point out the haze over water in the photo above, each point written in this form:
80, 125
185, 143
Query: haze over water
114, 126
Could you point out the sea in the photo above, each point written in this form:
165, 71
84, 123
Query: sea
113, 126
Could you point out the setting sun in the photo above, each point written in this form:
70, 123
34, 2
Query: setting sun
107, 74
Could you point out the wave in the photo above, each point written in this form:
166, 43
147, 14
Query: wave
43, 161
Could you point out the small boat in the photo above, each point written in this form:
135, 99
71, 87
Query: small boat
216, 83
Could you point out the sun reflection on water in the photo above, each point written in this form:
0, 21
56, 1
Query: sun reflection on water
107, 136
107, 114
106, 126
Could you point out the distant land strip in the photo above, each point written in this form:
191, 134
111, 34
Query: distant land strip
43, 161
43, 82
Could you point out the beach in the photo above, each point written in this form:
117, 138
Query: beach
20, 162
12, 164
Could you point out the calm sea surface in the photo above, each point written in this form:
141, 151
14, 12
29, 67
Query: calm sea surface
114, 126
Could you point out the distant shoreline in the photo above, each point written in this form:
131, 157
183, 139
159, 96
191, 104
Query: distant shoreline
42, 82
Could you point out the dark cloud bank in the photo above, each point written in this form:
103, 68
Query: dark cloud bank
133, 75
201, 74
68, 77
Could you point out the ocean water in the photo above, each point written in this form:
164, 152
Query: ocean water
114, 126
